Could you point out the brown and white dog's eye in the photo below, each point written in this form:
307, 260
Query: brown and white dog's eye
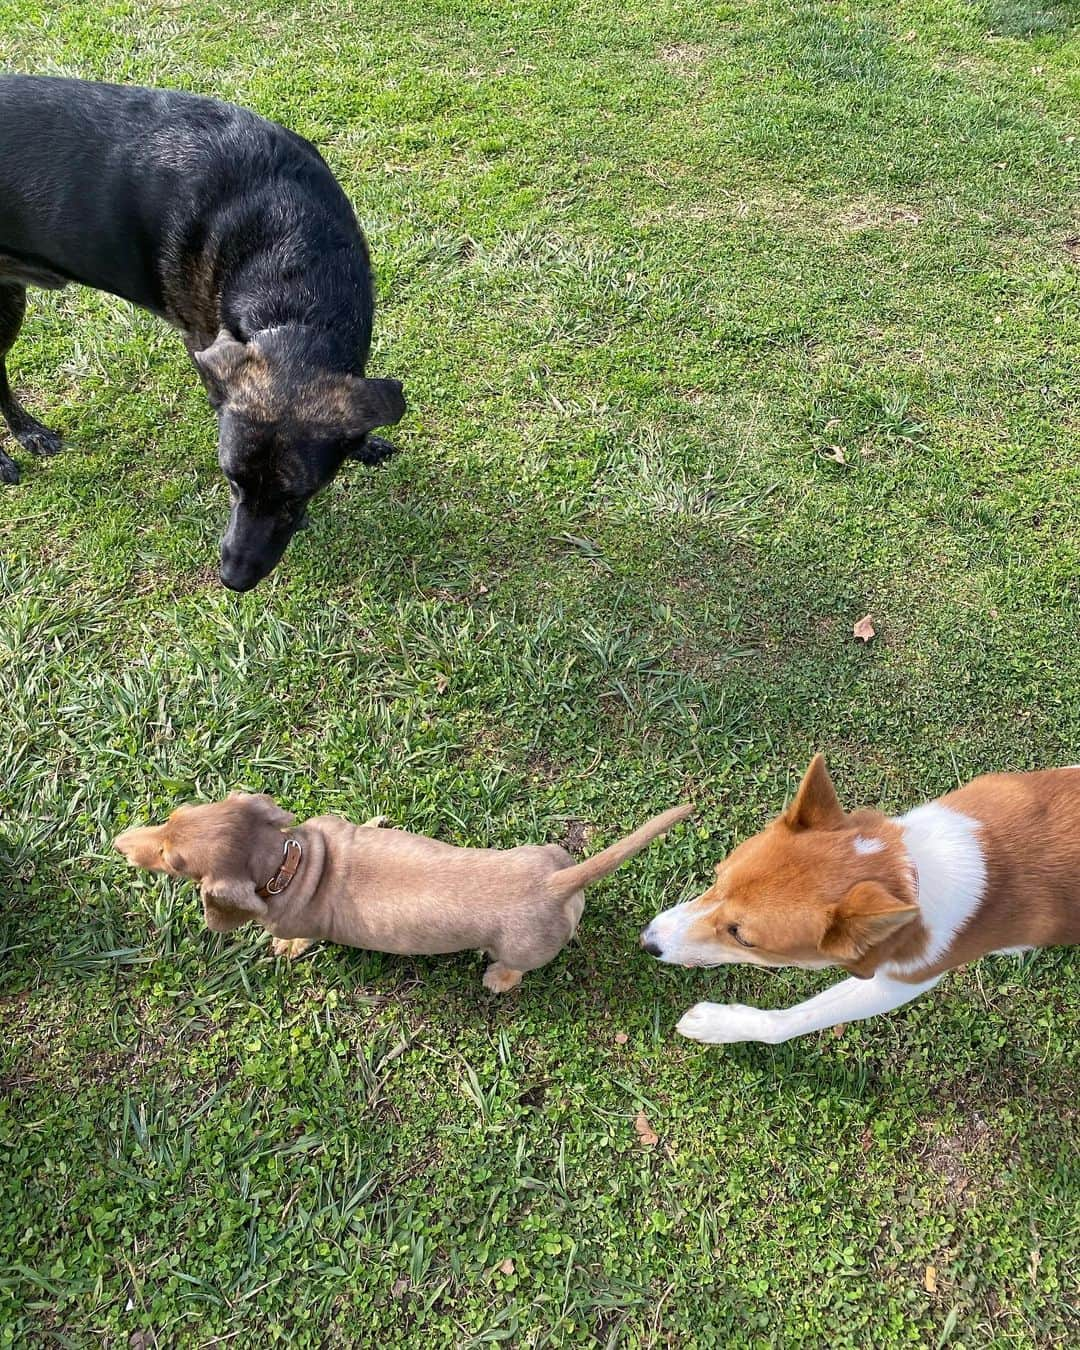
733, 931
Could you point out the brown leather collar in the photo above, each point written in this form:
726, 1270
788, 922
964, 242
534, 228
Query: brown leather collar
291, 858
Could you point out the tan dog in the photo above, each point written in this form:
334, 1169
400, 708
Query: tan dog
384, 890
994, 866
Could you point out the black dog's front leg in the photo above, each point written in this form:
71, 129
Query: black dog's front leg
9, 470
27, 430
373, 450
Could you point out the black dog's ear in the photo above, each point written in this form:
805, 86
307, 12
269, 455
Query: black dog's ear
221, 362
375, 403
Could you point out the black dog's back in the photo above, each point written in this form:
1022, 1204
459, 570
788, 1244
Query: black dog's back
124, 189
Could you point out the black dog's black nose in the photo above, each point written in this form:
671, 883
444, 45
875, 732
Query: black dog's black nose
653, 948
238, 579
239, 571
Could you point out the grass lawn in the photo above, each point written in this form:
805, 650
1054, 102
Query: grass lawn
721, 326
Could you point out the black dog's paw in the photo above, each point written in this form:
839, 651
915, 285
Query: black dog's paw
373, 450
40, 440
9, 470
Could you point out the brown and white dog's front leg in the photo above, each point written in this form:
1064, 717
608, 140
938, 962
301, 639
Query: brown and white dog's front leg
850, 1001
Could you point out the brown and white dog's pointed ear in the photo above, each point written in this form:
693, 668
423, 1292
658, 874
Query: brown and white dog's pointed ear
816, 805
866, 916
227, 904
221, 362
374, 403
264, 806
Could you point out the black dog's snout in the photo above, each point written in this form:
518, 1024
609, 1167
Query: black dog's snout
653, 948
237, 573
238, 581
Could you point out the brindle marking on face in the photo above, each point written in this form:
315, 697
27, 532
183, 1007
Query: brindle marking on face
258, 392
324, 402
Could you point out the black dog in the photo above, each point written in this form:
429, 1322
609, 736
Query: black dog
233, 229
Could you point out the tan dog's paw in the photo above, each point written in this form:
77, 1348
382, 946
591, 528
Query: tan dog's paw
501, 979
290, 948
375, 823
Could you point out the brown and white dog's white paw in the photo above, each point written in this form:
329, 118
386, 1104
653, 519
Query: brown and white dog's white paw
290, 948
725, 1024
501, 979
376, 823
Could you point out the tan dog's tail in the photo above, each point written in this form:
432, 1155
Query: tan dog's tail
571, 879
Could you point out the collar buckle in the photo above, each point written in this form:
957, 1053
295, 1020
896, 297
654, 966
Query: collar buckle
291, 858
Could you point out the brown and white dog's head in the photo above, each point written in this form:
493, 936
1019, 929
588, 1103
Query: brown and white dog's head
815, 888
224, 846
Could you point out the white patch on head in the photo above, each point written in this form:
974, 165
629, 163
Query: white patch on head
668, 931
950, 869
863, 844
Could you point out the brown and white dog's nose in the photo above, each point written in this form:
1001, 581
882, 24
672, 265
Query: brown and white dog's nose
653, 948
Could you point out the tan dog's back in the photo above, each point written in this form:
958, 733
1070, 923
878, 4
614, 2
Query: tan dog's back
400, 892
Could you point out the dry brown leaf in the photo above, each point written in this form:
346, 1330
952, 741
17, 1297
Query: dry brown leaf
442, 684
507, 1266
930, 1279
835, 453
839, 1029
864, 630
481, 589
647, 1136
401, 1285
621, 1038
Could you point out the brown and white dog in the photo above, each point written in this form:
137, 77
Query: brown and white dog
385, 890
992, 867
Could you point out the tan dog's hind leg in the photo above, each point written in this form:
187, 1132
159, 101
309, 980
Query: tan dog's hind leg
501, 979
290, 947
375, 823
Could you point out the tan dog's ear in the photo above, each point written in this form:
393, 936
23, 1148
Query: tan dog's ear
229, 904
265, 806
866, 916
816, 805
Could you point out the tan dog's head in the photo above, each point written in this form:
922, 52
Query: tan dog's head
228, 847
815, 888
